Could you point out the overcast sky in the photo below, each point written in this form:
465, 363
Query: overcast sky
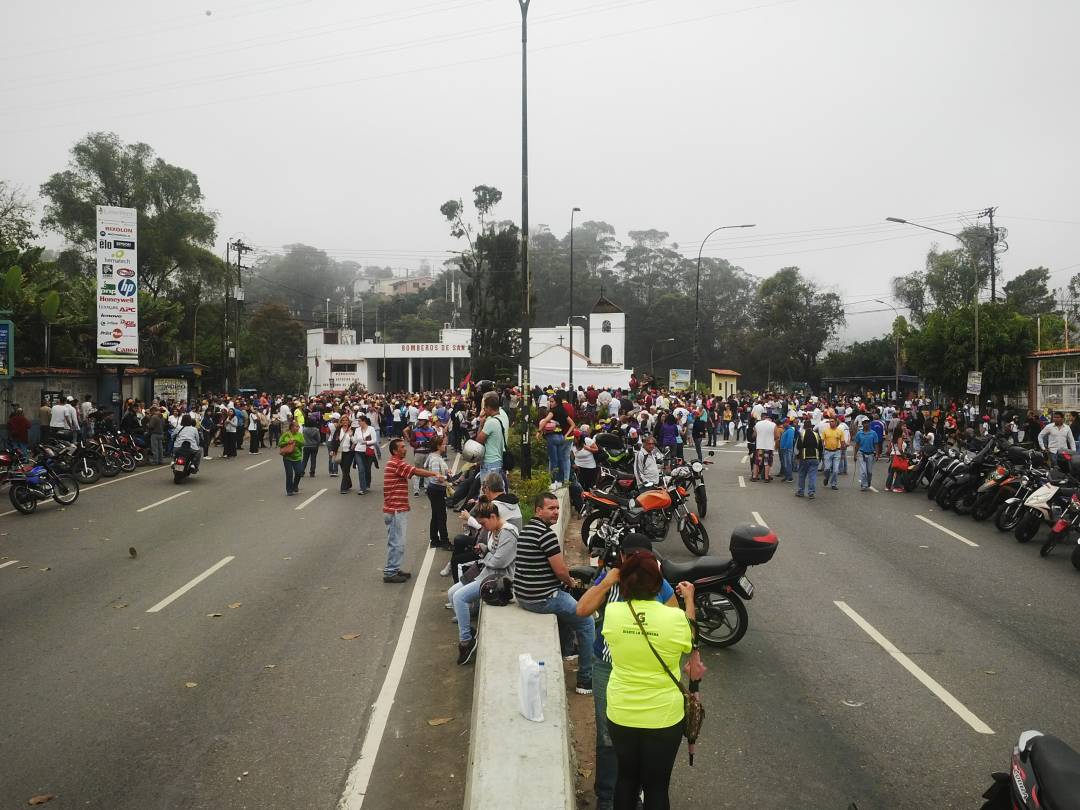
344, 124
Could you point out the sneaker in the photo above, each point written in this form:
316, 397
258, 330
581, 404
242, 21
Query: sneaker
899, 489
810, 496
445, 572
466, 650
834, 486
405, 574
449, 606
584, 687
333, 475
573, 657
311, 475
396, 578
798, 494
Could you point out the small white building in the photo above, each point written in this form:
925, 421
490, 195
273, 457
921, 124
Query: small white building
336, 360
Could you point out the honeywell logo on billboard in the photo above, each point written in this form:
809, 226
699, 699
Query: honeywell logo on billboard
109, 299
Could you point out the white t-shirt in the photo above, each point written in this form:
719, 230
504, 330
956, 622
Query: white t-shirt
584, 458
765, 434
757, 410
64, 416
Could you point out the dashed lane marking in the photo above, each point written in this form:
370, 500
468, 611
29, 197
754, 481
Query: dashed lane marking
309, 500
172, 597
758, 519
936, 688
742, 482
163, 500
949, 532
124, 477
9, 562
258, 464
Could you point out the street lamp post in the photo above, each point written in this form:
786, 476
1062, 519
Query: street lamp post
526, 359
974, 268
897, 380
697, 298
570, 319
652, 356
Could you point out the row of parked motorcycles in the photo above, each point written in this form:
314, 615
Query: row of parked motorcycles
1020, 488
58, 466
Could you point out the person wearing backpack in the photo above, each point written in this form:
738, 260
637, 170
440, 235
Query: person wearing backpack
493, 433
312, 438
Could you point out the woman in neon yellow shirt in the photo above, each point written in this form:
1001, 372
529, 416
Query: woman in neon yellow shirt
644, 707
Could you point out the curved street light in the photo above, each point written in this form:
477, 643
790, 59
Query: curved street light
697, 298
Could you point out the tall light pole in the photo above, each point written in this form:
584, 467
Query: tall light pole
974, 267
526, 359
570, 319
652, 358
697, 299
895, 329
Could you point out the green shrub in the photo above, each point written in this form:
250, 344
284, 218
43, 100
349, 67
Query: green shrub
527, 490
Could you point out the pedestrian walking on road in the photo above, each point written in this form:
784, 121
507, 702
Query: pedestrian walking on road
367, 448
808, 452
345, 443
897, 449
291, 447
867, 447
396, 508
312, 437
155, 429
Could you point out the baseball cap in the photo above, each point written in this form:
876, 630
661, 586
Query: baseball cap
636, 542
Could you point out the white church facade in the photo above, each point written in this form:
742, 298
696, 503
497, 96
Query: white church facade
335, 360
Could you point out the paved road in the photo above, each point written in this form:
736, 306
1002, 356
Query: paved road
809, 710
96, 702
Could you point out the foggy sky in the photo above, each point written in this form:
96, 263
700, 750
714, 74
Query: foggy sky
344, 125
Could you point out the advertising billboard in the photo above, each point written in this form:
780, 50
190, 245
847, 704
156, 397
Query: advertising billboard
117, 286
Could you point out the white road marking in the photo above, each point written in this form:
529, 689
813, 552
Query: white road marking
721, 443
9, 562
360, 774
164, 500
258, 464
124, 477
940, 691
745, 458
742, 482
949, 532
873, 490
758, 519
172, 597
309, 500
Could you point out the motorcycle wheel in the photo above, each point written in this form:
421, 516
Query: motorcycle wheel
963, 503
141, 458
1007, 516
22, 498
1028, 526
985, 505
1076, 557
590, 528
702, 498
933, 489
87, 471
178, 477
911, 481
127, 462
721, 618
109, 468
1051, 541
943, 498
65, 489
695, 538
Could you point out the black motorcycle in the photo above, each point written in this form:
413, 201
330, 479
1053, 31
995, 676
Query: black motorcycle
185, 462
1044, 773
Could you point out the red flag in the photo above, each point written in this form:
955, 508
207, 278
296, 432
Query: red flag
466, 381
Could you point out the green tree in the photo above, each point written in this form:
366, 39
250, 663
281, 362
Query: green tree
1028, 293
273, 348
950, 278
874, 357
942, 351
800, 318
16, 218
412, 329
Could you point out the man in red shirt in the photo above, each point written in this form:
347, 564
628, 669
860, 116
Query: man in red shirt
396, 508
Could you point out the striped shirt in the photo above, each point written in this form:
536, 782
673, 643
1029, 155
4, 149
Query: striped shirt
396, 485
533, 577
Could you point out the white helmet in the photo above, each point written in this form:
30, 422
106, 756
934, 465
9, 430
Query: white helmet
423, 415
472, 450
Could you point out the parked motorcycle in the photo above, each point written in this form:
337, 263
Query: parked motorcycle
1068, 521
1057, 490
1044, 773
651, 512
41, 482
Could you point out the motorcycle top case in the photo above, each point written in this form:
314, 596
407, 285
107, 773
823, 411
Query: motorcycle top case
611, 442
752, 544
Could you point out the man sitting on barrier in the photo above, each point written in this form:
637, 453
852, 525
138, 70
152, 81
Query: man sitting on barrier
539, 579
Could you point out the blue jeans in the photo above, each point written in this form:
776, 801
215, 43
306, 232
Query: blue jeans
787, 463
607, 765
493, 466
332, 463
463, 597
866, 469
564, 606
832, 466
396, 526
558, 458
808, 469
294, 471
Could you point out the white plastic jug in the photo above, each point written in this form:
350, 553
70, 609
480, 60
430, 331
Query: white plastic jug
530, 689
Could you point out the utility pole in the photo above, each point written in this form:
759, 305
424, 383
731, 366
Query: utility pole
526, 386
225, 332
993, 254
240, 249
